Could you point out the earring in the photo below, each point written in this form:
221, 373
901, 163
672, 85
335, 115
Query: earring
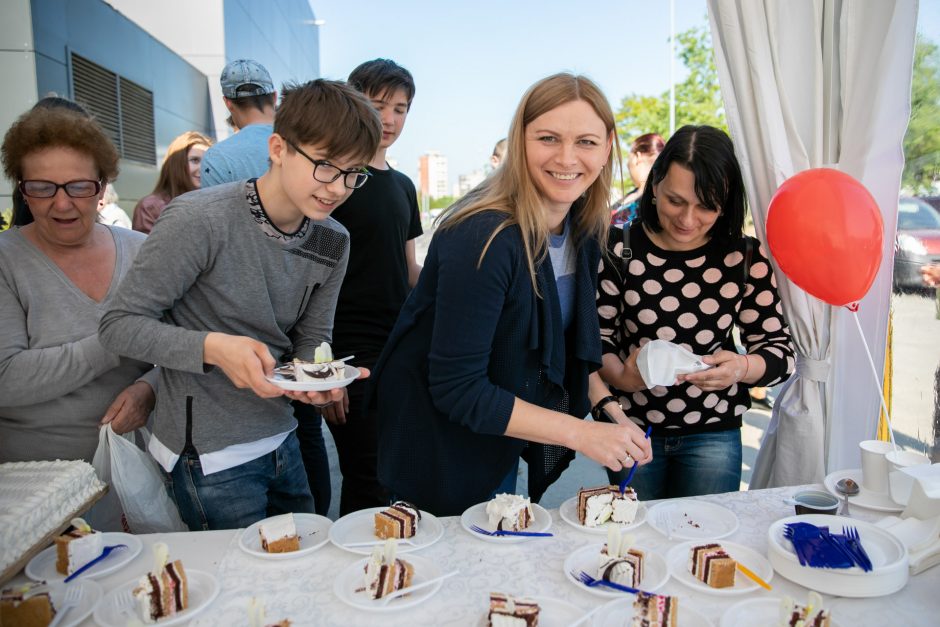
654, 200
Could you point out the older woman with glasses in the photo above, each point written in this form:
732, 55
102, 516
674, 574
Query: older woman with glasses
59, 384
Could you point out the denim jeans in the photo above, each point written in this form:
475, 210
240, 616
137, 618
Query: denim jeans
274, 483
688, 465
313, 452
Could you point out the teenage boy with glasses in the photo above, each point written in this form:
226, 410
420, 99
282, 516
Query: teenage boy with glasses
239, 277
383, 221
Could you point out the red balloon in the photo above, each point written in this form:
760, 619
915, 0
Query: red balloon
826, 233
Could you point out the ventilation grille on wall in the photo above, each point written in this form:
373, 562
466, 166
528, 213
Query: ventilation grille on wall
124, 109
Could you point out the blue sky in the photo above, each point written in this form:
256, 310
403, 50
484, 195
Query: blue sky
472, 61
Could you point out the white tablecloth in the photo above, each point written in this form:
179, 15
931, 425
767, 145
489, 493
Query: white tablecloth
302, 589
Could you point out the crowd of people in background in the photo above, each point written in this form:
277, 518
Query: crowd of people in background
296, 231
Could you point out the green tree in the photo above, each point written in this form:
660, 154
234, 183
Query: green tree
698, 97
922, 142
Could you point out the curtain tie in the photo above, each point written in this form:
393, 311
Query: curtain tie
812, 369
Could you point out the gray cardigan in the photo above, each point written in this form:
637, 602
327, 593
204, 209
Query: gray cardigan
56, 379
207, 266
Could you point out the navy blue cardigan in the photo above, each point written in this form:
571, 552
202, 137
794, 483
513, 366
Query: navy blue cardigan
469, 341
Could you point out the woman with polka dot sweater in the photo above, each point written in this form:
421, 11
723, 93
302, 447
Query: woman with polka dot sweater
691, 276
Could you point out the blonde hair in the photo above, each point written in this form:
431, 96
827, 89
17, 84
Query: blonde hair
511, 191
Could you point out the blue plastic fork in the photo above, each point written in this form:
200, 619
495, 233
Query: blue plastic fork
815, 547
592, 582
106, 552
500, 532
854, 543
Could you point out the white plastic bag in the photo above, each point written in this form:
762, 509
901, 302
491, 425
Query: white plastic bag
137, 482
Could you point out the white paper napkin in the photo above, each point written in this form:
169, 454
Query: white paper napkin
920, 537
660, 362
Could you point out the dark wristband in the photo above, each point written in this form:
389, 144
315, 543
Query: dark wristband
599, 407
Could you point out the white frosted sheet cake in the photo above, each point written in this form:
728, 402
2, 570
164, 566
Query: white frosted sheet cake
38, 497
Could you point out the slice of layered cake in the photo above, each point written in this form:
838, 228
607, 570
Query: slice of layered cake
164, 591
712, 565
322, 368
792, 614
385, 573
398, 521
508, 611
655, 610
597, 506
279, 534
619, 562
27, 605
77, 546
509, 512
257, 618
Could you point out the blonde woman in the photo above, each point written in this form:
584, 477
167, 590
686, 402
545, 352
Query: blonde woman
494, 351
179, 174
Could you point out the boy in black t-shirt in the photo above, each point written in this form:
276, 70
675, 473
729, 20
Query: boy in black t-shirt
383, 221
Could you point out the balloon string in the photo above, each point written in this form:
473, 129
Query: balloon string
874, 371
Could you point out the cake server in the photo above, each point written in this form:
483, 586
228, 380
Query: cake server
626, 482
106, 552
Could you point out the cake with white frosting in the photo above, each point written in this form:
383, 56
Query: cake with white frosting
792, 614
279, 534
322, 368
597, 506
655, 610
385, 573
27, 605
164, 591
619, 561
38, 498
510, 611
76, 547
509, 512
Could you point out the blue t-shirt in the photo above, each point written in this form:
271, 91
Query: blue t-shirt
563, 264
242, 156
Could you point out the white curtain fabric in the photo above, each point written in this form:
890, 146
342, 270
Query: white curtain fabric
806, 84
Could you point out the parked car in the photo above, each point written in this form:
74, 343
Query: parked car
918, 242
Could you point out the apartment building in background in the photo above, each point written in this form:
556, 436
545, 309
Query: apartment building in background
432, 175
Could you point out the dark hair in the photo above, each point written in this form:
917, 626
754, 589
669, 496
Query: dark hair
709, 154
648, 143
260, 103
330, 114
382, 77
21, 213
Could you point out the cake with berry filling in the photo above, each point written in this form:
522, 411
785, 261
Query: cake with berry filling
279, 534
385, 573
164, 591
597, 506
509, 611
710, 564
509, 512
400, 520
655, 610
619, 561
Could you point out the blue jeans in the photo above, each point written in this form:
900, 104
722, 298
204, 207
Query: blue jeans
274, 483
688, 465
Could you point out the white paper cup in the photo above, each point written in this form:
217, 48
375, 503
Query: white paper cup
900, 483
874, 465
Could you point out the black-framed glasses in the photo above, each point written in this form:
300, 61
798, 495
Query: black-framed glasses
326, 172
48, 189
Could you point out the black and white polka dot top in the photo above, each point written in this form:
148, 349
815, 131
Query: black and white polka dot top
693, 299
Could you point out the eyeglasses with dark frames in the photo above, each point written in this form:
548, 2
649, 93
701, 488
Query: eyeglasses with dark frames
48, 189
326, 172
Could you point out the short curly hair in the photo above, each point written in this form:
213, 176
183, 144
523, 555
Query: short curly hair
42, 128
